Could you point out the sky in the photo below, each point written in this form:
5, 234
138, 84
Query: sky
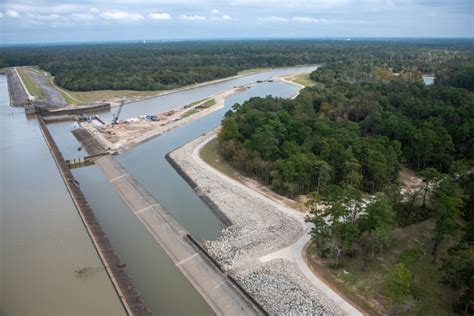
50, 21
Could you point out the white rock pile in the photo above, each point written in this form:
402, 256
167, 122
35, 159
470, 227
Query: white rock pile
259, 228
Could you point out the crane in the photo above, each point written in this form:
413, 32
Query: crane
117, 114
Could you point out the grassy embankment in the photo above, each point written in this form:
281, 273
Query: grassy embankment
304, 79
366, 288
210, 154
203, 104
78, 97
30, 84
84, 97
252, 71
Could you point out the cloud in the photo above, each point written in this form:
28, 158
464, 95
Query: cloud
273, 19
44, 7
83, 16
12, 14
122, 16
94, 10
305, 19
215, 11
159, 16
222, 18
1, 15
46, 17
192, 17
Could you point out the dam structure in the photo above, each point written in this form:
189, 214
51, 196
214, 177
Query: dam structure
223, 293
126, 290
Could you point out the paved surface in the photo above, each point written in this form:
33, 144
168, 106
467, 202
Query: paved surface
221, 294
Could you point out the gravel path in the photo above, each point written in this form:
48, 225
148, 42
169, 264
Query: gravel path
259, 227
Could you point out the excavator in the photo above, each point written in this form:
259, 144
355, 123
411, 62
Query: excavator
117, 114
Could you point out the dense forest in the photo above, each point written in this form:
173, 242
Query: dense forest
165, 65
343, 142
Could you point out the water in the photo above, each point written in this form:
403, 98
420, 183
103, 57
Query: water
148, 164
42, 238
173, 100
164, 288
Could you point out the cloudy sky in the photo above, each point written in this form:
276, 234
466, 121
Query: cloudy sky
48, 21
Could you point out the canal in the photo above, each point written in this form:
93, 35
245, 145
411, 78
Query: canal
164, 288
42, 239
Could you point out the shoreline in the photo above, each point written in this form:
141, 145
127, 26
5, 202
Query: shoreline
122, 145
196, 85
261, 227
155, 129
213, 206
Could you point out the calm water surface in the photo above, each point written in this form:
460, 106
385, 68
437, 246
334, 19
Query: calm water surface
42, 238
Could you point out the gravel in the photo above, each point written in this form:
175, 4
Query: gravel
54, 99
259, 227
282, 289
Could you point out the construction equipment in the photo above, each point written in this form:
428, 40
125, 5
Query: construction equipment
117, 114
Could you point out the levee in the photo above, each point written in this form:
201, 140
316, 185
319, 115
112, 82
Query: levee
223, 294
116, 271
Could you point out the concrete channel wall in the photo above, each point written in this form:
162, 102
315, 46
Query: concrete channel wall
128, 294
223, 293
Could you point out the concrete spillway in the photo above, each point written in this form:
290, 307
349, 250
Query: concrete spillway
220, 291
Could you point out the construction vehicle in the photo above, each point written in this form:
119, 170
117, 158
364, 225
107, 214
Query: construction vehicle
117, 114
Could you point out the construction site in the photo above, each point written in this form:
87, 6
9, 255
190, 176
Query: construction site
119, 135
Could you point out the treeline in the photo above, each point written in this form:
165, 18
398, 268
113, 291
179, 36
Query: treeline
156, 66
344, 133
344, 141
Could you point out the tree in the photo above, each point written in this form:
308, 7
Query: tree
375, 225
335, 221
458, 270
413, 253
398, 285
428, 175
447, 203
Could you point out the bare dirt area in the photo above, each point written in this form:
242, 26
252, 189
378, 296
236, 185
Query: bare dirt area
125, 134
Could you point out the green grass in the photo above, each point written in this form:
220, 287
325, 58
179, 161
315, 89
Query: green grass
189, 113
433, 298
210, 154
30, 84
304, 79
208, 103
77, 97
93, 96
205, 103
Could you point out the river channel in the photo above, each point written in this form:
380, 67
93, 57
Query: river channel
42, 239
164, 288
